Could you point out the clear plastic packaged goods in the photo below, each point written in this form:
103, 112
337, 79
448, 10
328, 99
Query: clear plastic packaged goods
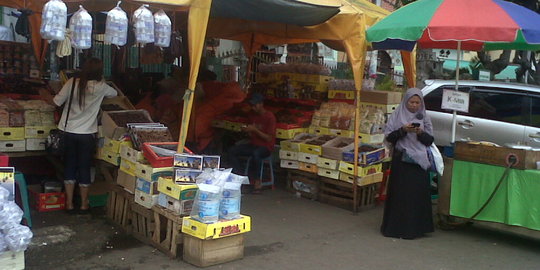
80, 25
116, 26
18, 237
10, 214
143, 22
162, 25
3, 244
53, 20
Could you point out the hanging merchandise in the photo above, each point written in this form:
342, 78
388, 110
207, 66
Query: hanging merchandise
64, 47
116, 27
81, 29
53, 20
162, 25
143, 22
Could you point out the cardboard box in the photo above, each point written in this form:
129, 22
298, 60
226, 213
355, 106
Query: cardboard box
147, 187
496, 155
149, 173
366, 157
179, 207
362, 181
38, 131
386, 108
35, 144
12, 260
113, 146
289, 155
216, 230
334, 174
129, 153
307, 158
290, 164
380, 97
127, 181
110, 157
204, 253
112, 130
362, 170
327, 163
128, 166
144, 199
121, 101
308, 167
46, 202
179, 192
294, 144
331, 150
12, 134
13, 146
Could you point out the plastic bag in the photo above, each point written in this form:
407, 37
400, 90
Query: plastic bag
80, 25
231, 195
162, 32
53, 20
3, 244
207, 201
143, 22
437, 158
116, 27
18, 237
10, 215
4, 195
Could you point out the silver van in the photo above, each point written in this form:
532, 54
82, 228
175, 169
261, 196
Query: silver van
502, 113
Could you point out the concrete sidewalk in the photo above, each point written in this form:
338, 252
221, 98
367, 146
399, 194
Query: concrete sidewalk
296, 233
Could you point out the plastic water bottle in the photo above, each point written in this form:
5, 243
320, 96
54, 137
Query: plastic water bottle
10, 214
229, 207
206, 208
18, 237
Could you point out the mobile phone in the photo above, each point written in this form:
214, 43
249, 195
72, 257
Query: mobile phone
415, 125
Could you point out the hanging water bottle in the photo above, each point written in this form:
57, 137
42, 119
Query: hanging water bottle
162, 31
53, 20
116, 26
81, 29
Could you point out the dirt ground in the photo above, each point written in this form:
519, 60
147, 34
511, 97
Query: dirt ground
287, 233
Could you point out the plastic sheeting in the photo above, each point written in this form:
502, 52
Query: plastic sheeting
515, 203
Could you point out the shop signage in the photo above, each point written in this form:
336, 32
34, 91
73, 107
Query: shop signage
484, 75
455, 100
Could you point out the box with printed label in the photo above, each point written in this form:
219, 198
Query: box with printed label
12, 134
307, 158
179, 192
362, 181
362, 170
129, 153
367, 154
128, 166
290, 155
333, 149
35, 144
149, 173
327, 163
145, 199
185, 161
182, 208
185, 177
290, 164
147, 187
37, 132
211, 162
334, 174
370, 138
294, 144
216, 230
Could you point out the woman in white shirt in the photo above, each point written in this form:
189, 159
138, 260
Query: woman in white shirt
89, 91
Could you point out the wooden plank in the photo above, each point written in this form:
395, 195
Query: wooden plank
204, 253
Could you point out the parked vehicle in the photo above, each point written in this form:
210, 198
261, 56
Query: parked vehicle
502, 113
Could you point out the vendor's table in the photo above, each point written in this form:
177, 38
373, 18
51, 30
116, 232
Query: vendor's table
515, 203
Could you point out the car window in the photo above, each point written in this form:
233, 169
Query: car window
535, 111
498, 106
433, 100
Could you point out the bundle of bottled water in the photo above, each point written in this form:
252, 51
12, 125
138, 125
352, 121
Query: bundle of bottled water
80, 25
162, 30
143, 22
53, 20
116, 26
13, 235
218, 196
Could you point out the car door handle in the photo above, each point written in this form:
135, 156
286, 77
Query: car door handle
534, 135
466, 124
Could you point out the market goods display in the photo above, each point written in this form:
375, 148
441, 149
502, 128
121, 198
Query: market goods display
53, 20
341, 84
162, 25
16, 59
80, 25
300, 68
143, 22
13, 236
125, 117
116, 26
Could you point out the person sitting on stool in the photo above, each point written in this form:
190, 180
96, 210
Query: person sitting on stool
262, 132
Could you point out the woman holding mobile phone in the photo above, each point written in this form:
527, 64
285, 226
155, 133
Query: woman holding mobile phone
407, 212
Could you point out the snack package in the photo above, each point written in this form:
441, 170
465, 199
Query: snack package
162, 29
80, 25
143, 23
53, 20
116, 26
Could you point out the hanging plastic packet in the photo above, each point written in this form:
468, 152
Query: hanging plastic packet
143, 22
116, 26
53, 20
80, 25
162, 25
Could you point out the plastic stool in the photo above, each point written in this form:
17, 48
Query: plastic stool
269, 161
23, 190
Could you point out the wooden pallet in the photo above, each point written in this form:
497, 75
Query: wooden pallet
143, 223
168, 235
340, 193
119, 207
306, 178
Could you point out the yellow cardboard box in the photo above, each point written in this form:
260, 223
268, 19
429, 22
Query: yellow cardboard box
216, 230
179, 192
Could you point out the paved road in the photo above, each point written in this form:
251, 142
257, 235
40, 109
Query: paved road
295, 233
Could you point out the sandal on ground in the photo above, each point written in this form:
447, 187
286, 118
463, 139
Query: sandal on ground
71, 211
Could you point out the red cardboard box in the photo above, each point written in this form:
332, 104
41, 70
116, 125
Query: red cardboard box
46, 202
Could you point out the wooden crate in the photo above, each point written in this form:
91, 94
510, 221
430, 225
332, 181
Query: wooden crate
339, 193
119, 207
310, 179
168, 234
204, 253
143, 223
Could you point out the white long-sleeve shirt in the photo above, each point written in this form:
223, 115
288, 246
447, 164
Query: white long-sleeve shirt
82, 120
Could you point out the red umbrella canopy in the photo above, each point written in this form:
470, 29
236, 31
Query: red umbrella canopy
477, 24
